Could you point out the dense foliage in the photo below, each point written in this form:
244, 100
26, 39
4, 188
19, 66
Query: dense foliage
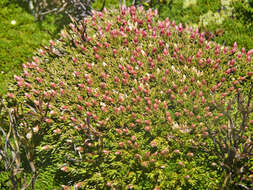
18, 41
125, 100
244, 12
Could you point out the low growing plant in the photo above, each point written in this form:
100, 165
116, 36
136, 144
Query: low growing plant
137, 103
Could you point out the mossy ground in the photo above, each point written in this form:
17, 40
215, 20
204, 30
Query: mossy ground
18, 41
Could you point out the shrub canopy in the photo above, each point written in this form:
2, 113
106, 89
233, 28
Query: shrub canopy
126, 100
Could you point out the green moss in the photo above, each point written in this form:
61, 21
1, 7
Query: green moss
235, 31
19, 41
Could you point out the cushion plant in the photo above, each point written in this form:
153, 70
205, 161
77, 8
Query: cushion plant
124, 100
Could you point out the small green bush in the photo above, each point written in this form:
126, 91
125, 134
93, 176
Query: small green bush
125, 100
244, 12
224, 20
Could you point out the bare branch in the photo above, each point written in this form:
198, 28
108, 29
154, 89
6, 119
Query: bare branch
55, 10
103, 6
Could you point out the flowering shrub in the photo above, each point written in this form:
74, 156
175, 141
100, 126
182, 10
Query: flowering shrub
134, 102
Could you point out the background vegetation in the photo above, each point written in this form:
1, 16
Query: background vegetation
18, 41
